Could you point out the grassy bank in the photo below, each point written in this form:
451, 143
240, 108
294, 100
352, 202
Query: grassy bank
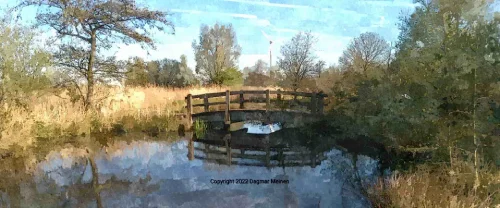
55, 115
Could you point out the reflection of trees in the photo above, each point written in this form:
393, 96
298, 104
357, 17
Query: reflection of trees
45, 192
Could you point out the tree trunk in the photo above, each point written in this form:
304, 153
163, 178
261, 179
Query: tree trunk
90, 72
477, 182
95, 181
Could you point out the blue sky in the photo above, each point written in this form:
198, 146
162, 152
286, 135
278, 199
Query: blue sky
333, 22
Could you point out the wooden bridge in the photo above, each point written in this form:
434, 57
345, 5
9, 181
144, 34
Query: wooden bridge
276, 109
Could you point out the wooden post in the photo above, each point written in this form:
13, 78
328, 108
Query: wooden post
227, 118
279, 95
191, 149
227, 141
242, 100
313, 159
320, 103
268, 152
205, 102
281, 157
268, 100
313, 103
189, 102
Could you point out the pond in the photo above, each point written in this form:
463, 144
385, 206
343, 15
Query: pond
261, 171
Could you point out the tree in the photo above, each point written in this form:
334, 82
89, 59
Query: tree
186, 76
257, 79
256, 75
216, 51
260, 66
98, 24
170, 72
367, 50
136, 75
232, 77
21, 64
298, 61
319, 67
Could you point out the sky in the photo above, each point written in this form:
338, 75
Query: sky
333, 22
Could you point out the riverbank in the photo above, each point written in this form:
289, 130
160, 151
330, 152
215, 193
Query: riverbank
57, 114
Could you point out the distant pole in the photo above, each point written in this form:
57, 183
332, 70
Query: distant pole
270, 55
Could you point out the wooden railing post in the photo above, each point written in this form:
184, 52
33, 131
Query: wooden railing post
268, 100
279, 95
205, 102
189, 107
242, 100
227, 118
191, 149
320, 103
313, 103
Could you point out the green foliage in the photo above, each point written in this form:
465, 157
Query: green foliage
232, 77
200, 128
136, 75
216, 51
21, 64
165, 72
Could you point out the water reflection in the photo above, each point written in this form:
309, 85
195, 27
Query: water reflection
156, 173
239, 148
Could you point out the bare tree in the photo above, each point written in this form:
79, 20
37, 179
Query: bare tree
98, 24
216, 51
319, 67
298, 61
365, 51
260, 66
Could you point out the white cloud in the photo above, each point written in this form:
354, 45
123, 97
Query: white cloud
245, 16
396, 3
266, 3
263, 22
285, 30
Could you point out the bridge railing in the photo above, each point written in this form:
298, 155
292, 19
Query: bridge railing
315, 105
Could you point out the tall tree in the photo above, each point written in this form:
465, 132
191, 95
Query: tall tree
298, 60
216, 51
98, 24
367, 50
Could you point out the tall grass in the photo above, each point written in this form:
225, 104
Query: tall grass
55, 115
436, 187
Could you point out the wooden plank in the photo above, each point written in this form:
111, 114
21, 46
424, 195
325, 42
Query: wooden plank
303, 94
214, 103
210, 95
253, 91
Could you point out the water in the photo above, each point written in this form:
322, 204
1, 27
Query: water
155, 173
